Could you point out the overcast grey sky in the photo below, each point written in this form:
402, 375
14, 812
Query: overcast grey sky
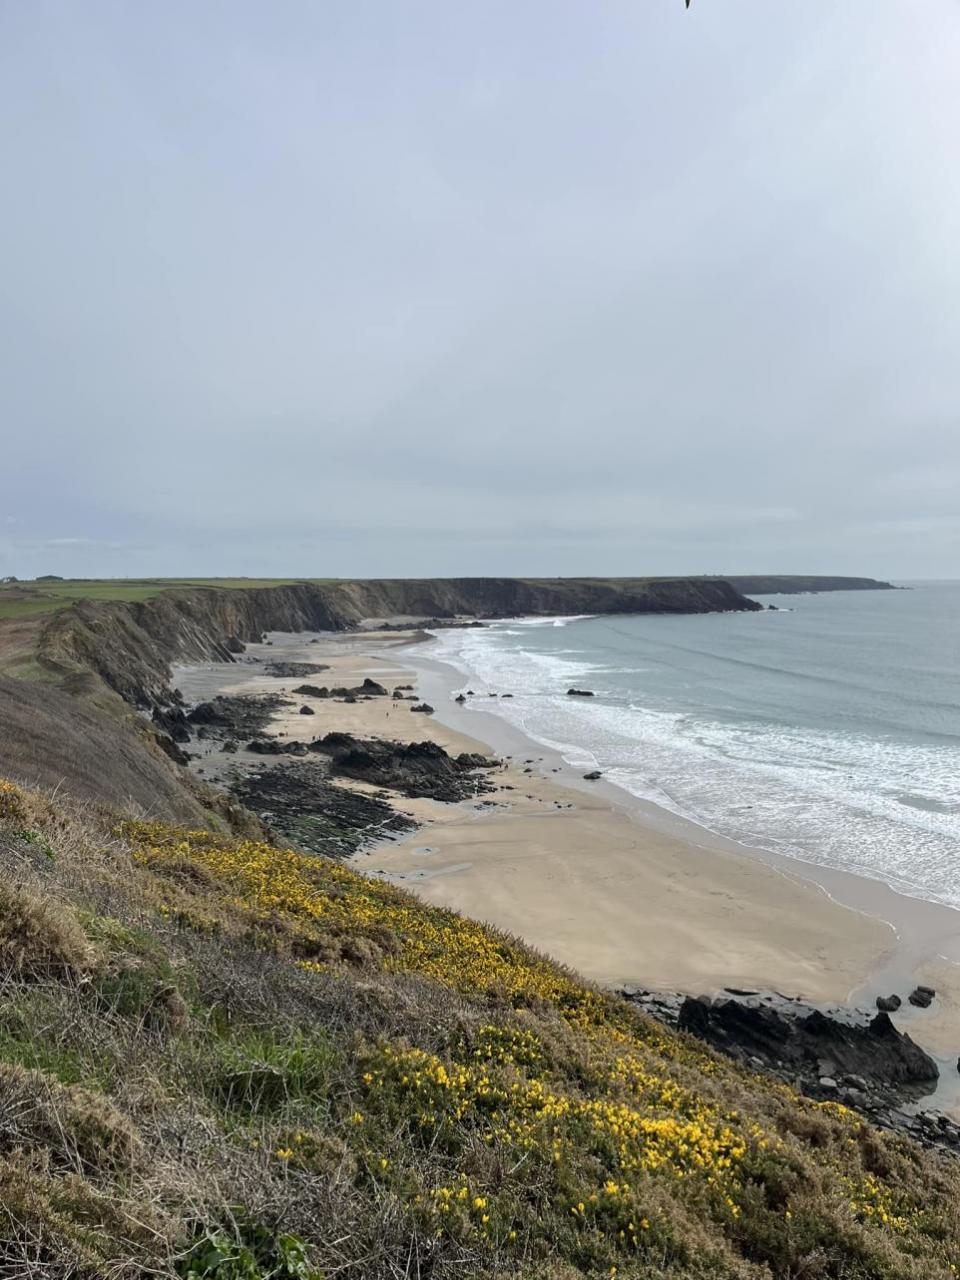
512, 286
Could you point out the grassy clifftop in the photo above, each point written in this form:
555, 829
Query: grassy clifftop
223, 1059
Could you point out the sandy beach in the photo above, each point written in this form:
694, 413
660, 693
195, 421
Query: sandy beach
610, 886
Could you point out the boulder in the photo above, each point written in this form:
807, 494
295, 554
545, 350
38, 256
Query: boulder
372, 689
233, 644
922, 997
888, 1004
580, 693
425, 707
592, 776
307, 711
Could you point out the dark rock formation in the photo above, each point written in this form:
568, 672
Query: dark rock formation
425, 707
233, 644
460, 698
294, 670
307, 711
369, 689
593, 775
580, 693
171, 748
809, 1041
236, 716
416, 769
172, 722
299, 803
922, 997
888, 1004
839, 1053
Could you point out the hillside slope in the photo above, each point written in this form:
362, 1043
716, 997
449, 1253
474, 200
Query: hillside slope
229, 1061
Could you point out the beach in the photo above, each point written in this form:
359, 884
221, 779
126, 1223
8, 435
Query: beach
601, 882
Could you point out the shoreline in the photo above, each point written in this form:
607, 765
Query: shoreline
927, 933
657, 901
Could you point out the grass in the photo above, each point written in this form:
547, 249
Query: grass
260, 1063
30, 599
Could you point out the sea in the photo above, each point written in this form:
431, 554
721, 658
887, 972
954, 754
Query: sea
825, 728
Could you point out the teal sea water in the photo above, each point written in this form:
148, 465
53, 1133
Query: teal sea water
827, 730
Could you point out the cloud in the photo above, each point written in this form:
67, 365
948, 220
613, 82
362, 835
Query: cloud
496, 289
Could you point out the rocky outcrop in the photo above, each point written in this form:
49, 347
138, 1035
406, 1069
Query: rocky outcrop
415, 769
294, 670
369, 689
236, 716
835, 1053
300, 803
809, 1042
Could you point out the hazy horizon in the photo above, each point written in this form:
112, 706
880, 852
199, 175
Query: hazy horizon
356, 290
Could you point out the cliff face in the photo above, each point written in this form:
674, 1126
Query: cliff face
131, 646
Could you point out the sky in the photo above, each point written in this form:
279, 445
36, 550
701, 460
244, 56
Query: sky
407, 289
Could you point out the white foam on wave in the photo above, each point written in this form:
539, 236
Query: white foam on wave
879, 806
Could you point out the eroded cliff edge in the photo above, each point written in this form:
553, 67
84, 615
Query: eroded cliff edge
131, 646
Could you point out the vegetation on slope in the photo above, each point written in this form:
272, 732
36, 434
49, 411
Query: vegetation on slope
223, 1059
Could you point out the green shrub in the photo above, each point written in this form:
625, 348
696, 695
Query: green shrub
250, 1252
259, 1071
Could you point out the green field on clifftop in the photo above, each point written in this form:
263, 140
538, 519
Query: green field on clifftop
24, 599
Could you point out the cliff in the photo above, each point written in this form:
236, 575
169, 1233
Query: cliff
767, 584
131, 645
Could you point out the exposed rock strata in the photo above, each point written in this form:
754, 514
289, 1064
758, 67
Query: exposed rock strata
840, 1054
415, 769
298, 802
131, 645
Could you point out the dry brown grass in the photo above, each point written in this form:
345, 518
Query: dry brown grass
74, 1128
42, 938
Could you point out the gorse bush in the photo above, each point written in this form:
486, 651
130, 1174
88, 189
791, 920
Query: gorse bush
388, 1089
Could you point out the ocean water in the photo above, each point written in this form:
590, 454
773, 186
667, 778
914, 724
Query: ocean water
828, 730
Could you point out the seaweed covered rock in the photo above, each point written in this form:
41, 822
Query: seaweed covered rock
416, 768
